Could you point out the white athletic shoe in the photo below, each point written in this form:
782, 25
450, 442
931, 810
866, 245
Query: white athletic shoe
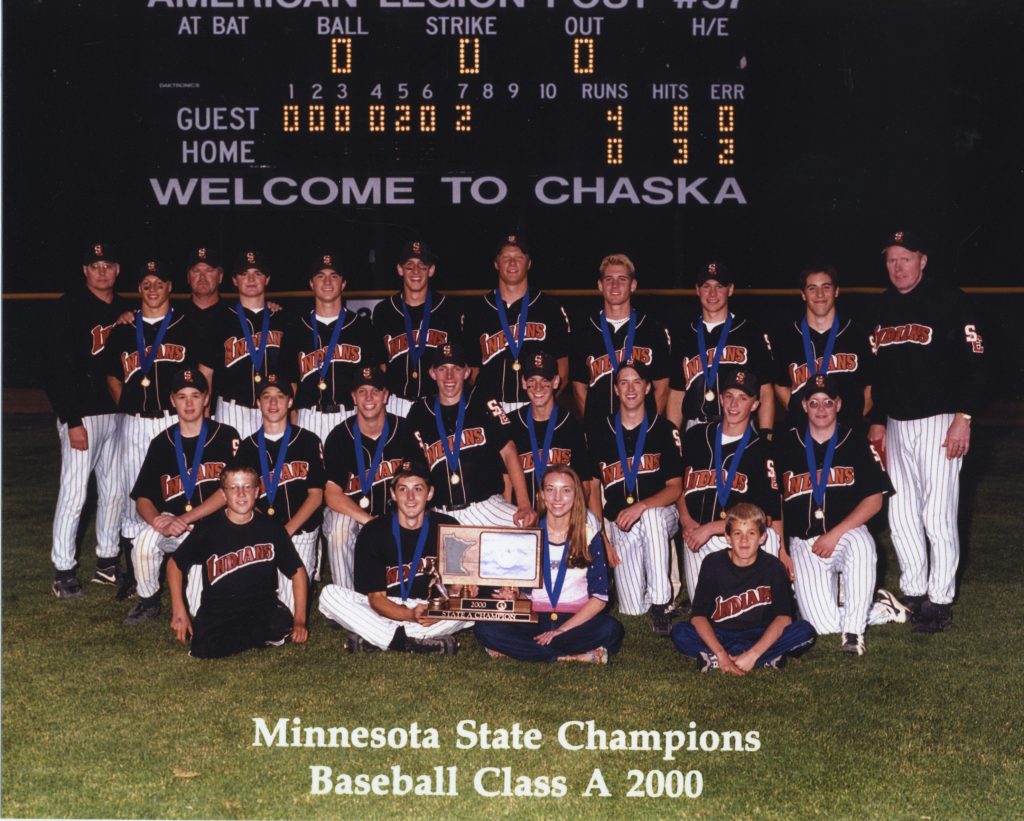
853, 644
888, 608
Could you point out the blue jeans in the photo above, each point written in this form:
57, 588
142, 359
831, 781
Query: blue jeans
517, 639
795, 640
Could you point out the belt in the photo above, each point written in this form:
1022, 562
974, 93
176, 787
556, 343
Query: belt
330, 409
154, 414
452, 508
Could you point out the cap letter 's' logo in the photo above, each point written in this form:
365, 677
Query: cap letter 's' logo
250, 257
328, 260
151, 267
97, 250
713, 268
201, 253
898, 237
416, 248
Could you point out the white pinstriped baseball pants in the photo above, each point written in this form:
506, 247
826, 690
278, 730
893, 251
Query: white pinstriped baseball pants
494, 511
148, 551
353, 612
320, 423
136, 434
926, 502
242, 418
817, 582
341, 532
693, 560
306, 545
642, 576
76, 466
399, 405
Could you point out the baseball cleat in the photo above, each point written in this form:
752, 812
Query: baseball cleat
934, 618
143, 610
776, 663
442, 646
111, 574
357, 644
913, 604
888, 608
126, 590
661, 624
706, 662
853, 644
67, 587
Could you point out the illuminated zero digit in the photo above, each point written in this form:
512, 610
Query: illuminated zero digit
583, 64
464, 121
428, 118
727, 125
403, 118
727, 119
469, 55
290, 118
317, 117
378, 118
614, 150
342, 118
341, 55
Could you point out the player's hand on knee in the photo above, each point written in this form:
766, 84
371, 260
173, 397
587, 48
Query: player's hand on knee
525, 517
507, 593
299, 634
181, 626
825, 545
630, 516
178, 527
958, 438
78, 438
698, 537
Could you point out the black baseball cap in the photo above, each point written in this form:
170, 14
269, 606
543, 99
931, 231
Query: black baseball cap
250, 258
204, 254
369, 376
745, 381
540, 364
413, 467
328, 260
821, 383
637, 366
189, 378
275, 381
515, 240
904, 239
450, 354
155, 268
98, 252
416, 250
717, 271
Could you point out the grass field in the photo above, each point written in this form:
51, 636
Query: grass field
102, 720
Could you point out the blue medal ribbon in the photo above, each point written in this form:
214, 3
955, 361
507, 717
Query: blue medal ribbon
724, 488
451, 454
335, 335
514, 345
256, 354
711, 368
830, 343
554, 591
540, 457
630, 470
146, 359
271, 481
366, 476
416, 346
819, 482
405, 582
189, 478
609, 346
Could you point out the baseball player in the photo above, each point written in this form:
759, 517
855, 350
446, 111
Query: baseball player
823, 343
725, 463
290, 461
638, 464
924, 328
243, 345
706, 350
87, 420
240, 553
411, 324
618, 331
833, 484
395, 557
142, 359
544, 434
512, 323
466, 441
361, 457
178, 485
324, 347
742, 615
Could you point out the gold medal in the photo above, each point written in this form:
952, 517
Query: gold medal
188, 506
322, 385
145, 382
364, 503
270, 511
455, 479
722, 515
415, 374
710, 396
257, 378
516, 366
819, 514
630, 500
554, 617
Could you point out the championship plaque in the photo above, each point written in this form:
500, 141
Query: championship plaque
472, 556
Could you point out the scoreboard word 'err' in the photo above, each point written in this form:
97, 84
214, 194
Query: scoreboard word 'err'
284, 102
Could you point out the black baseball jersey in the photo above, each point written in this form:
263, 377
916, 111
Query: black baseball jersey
485, 431
343, 469
590, 364
851, 363
76, 372
754, 482
178, 349
746, 348
302, 471
203, 319
226, 351
930, 354
302, 358
659, 462
376, 557
568, 446
547, 329
742, 598
445, 327
159, 478
856, 473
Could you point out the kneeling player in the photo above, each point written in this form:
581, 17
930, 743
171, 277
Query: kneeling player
742, 610
572, 623
240, 552
395, 556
